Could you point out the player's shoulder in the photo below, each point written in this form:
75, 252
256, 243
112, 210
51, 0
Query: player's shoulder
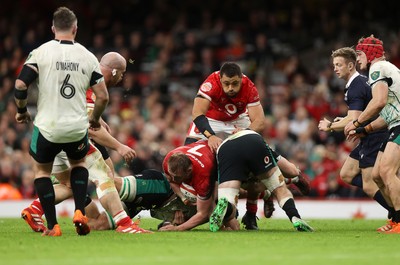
85, 51
380, 66
360, 80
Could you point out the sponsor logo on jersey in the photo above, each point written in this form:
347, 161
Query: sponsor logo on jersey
205, 87
375, 75
81, 147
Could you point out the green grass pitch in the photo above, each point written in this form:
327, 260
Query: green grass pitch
334, 242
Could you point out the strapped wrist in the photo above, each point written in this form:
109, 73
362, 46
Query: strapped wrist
356, 123
203, 125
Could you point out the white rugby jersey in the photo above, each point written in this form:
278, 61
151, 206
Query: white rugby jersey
389, 73
66, 71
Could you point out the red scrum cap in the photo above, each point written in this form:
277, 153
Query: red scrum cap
371, 46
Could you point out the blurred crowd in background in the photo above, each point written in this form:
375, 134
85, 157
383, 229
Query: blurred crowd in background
172, 46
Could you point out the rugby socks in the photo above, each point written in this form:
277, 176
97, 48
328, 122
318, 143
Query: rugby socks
122, 219
381, 200
251, 206
396, 216
357, 181
45, 191
88, 200
79, 183
290, 209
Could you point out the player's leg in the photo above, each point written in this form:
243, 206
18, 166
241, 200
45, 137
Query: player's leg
292, 174
388, 168
226, 208
273, 181
76, 153
101, 175
43, 153
350, 172
249, 219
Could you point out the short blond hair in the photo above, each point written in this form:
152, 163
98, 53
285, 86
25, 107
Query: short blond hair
349, 54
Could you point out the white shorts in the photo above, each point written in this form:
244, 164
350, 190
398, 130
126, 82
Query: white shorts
61, 163
221, 128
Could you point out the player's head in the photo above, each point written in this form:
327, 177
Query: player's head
179, 167
64, 21
369, 49
344, 62
113, 67
231, 78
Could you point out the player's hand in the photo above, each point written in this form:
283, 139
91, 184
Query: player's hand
338, 119
23, 117
359, 133
94, 124
323, 125
126, 152
353, 136
349, 127
168, 228
214, 142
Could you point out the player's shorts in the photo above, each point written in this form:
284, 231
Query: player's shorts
221, 128
44, 151
61, 163
368, 148
248, 153
394, 136
152, 191
102, 150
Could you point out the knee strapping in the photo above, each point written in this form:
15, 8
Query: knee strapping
100, 174
231, 194
274, 181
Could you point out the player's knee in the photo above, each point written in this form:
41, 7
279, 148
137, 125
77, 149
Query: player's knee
231, 194
346, 176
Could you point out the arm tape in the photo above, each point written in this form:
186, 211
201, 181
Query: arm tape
21, 94
27, 75
203, 125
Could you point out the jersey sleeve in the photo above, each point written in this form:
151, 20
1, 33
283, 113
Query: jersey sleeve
377, 72
208, 88
254, 97
32, 57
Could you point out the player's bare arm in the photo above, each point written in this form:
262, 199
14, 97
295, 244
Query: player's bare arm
257, 118
104, 138
199, 111
100, 90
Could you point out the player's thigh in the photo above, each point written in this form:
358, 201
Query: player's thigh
349, 169
390, 162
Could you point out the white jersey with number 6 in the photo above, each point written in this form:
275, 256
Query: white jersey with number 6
66, 71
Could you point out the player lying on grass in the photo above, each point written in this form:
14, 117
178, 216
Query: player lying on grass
149, 190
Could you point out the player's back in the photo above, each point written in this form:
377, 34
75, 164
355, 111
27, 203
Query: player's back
65, 73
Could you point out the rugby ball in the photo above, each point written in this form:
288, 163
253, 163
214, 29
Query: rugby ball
189, 192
